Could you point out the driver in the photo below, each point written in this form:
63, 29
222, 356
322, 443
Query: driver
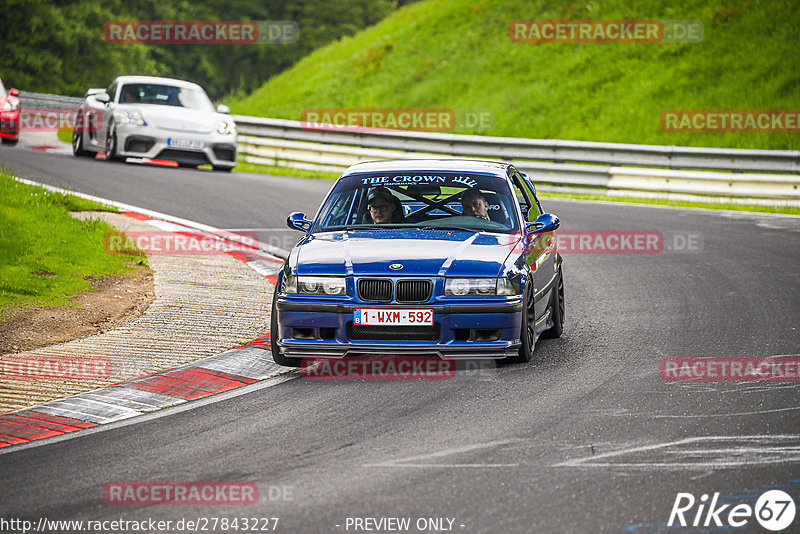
474, 203
382, 206
130, 94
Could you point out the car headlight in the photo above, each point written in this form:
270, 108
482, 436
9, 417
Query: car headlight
478, 287
134, 118
226, 127
314, 285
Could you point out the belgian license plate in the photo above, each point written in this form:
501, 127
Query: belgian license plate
393, 317
185, 143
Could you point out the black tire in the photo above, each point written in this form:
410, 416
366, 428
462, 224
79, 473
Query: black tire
77, 143
279, 358
557, 305
111, 144
9, 141
223, 169
527, 332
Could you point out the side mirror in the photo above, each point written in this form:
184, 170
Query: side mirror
222, 108
13, 92
103, 98
298, 221
546, 222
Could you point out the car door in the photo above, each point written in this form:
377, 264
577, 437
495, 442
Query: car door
540, 247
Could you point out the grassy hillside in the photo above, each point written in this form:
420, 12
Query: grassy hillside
457, 54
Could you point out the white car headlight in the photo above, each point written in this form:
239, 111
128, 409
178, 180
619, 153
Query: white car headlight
134, 118
478, 287
226, 127
315, 285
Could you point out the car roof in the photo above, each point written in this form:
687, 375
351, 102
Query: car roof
498, 168
156, 80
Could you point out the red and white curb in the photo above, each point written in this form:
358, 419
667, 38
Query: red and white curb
228, 370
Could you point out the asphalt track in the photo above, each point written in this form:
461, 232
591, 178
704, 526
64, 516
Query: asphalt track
588, 438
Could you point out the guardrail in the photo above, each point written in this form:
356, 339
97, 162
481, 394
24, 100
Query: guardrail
616, 167
608, 166
30, 100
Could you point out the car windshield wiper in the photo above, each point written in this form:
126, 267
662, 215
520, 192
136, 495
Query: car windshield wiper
449, 228
374, 226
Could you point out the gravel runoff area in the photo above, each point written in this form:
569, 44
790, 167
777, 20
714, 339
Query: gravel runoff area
204, 304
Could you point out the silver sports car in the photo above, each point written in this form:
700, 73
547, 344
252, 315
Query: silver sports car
155, 118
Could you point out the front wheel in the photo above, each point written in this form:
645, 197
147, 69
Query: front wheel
279, 358
111, 145
77, 143
10, 141
527, 332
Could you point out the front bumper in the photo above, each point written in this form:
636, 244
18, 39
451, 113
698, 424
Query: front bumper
461, 331
9, 124
154, 143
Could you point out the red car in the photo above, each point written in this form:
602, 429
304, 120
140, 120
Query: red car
9, 115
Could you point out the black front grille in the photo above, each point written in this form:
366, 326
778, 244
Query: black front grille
413, 290
138, 144
186, 157
375, 289
225, 152
394, 333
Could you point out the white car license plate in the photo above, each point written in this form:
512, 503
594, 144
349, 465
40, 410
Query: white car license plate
185, 143
393, 317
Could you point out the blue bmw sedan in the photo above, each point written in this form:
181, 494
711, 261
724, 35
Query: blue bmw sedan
448, 258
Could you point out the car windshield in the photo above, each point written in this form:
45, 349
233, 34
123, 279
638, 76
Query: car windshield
420, 199
165, 95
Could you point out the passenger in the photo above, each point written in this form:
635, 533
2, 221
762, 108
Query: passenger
474, 203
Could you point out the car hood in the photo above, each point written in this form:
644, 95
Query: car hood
420, 252
177, 119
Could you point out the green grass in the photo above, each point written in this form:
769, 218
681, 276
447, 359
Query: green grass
457, 54
790, 210
46, 255
64, 135
243, 166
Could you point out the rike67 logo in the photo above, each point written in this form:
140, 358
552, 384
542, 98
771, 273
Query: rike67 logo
774, 510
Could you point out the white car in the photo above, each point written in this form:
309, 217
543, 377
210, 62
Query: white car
146, 117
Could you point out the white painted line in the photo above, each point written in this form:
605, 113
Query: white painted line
136, 399
754, 450
250, 362
413, 461
265, 268
166, 412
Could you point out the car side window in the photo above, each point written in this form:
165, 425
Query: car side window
527, 205
112, 90
534, 207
